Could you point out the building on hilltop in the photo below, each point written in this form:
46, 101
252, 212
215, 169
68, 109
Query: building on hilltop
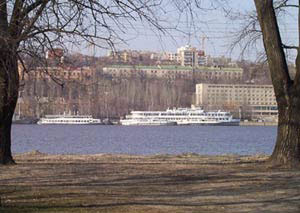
225, 74
206, 74
133, 56
127, 71
120, 56
190, 56
56, 54
186, 56
62, 73
221, 61
255, 101
172, 56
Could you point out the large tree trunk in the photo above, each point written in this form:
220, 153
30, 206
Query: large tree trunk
9, 86
287, 91
287, 149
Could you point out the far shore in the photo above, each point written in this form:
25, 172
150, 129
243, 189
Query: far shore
263, 123
242, 123
147, 184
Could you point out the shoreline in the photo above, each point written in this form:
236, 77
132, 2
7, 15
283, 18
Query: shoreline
36, 156
251, 123
42, 155
242, 123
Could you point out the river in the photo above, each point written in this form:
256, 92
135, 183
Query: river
143, 140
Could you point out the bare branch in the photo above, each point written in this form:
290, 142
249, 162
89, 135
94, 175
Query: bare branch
33, 20
3, 17
290, 47
284, 4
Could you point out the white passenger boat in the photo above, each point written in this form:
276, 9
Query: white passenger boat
181, 116
147, 122
69, 119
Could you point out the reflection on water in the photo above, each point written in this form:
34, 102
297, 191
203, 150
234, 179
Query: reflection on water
77, 139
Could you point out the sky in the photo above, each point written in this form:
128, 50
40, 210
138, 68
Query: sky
210, 30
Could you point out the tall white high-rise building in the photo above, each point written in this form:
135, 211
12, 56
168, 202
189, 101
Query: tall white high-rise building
190, 56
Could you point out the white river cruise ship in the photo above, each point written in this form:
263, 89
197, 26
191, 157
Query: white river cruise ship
69, 119
180, 116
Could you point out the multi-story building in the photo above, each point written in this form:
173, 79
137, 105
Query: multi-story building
259, 100
127, 71
56, 53
219, 61
201, 73
223, 74
134, 56
63, 73
172, 56
120, 56
187, 56
202, 58
190, 56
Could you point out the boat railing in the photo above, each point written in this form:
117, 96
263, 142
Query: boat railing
68, 116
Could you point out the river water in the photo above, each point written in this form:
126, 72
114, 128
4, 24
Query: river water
143, 140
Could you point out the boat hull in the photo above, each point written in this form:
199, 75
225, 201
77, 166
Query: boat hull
146, 123
69, 120
214, 124
41, 123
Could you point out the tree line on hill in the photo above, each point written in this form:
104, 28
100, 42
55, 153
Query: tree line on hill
106, 96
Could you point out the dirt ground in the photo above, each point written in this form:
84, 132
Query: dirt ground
152, 184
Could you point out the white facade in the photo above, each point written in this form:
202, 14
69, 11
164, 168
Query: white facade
187, 56
259, 98
204, 73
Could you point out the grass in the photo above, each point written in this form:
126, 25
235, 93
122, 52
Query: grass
142, 184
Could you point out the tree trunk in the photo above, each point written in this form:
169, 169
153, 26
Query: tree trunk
287, 149
287, 91
9, 86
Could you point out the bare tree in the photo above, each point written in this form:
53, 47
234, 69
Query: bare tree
287, 89
264, 25
32, 27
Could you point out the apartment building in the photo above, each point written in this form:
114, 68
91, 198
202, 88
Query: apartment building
172, 56
219, 73
190, 56
201, 73
259, 99
127, 71
133, 56
63, 73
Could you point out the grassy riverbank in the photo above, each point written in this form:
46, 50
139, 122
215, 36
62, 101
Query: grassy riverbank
152, 184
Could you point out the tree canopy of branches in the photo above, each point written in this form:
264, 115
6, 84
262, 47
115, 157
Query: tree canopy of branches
287, 88
31, 27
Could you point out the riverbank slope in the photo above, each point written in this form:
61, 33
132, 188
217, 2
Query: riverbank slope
152, 184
